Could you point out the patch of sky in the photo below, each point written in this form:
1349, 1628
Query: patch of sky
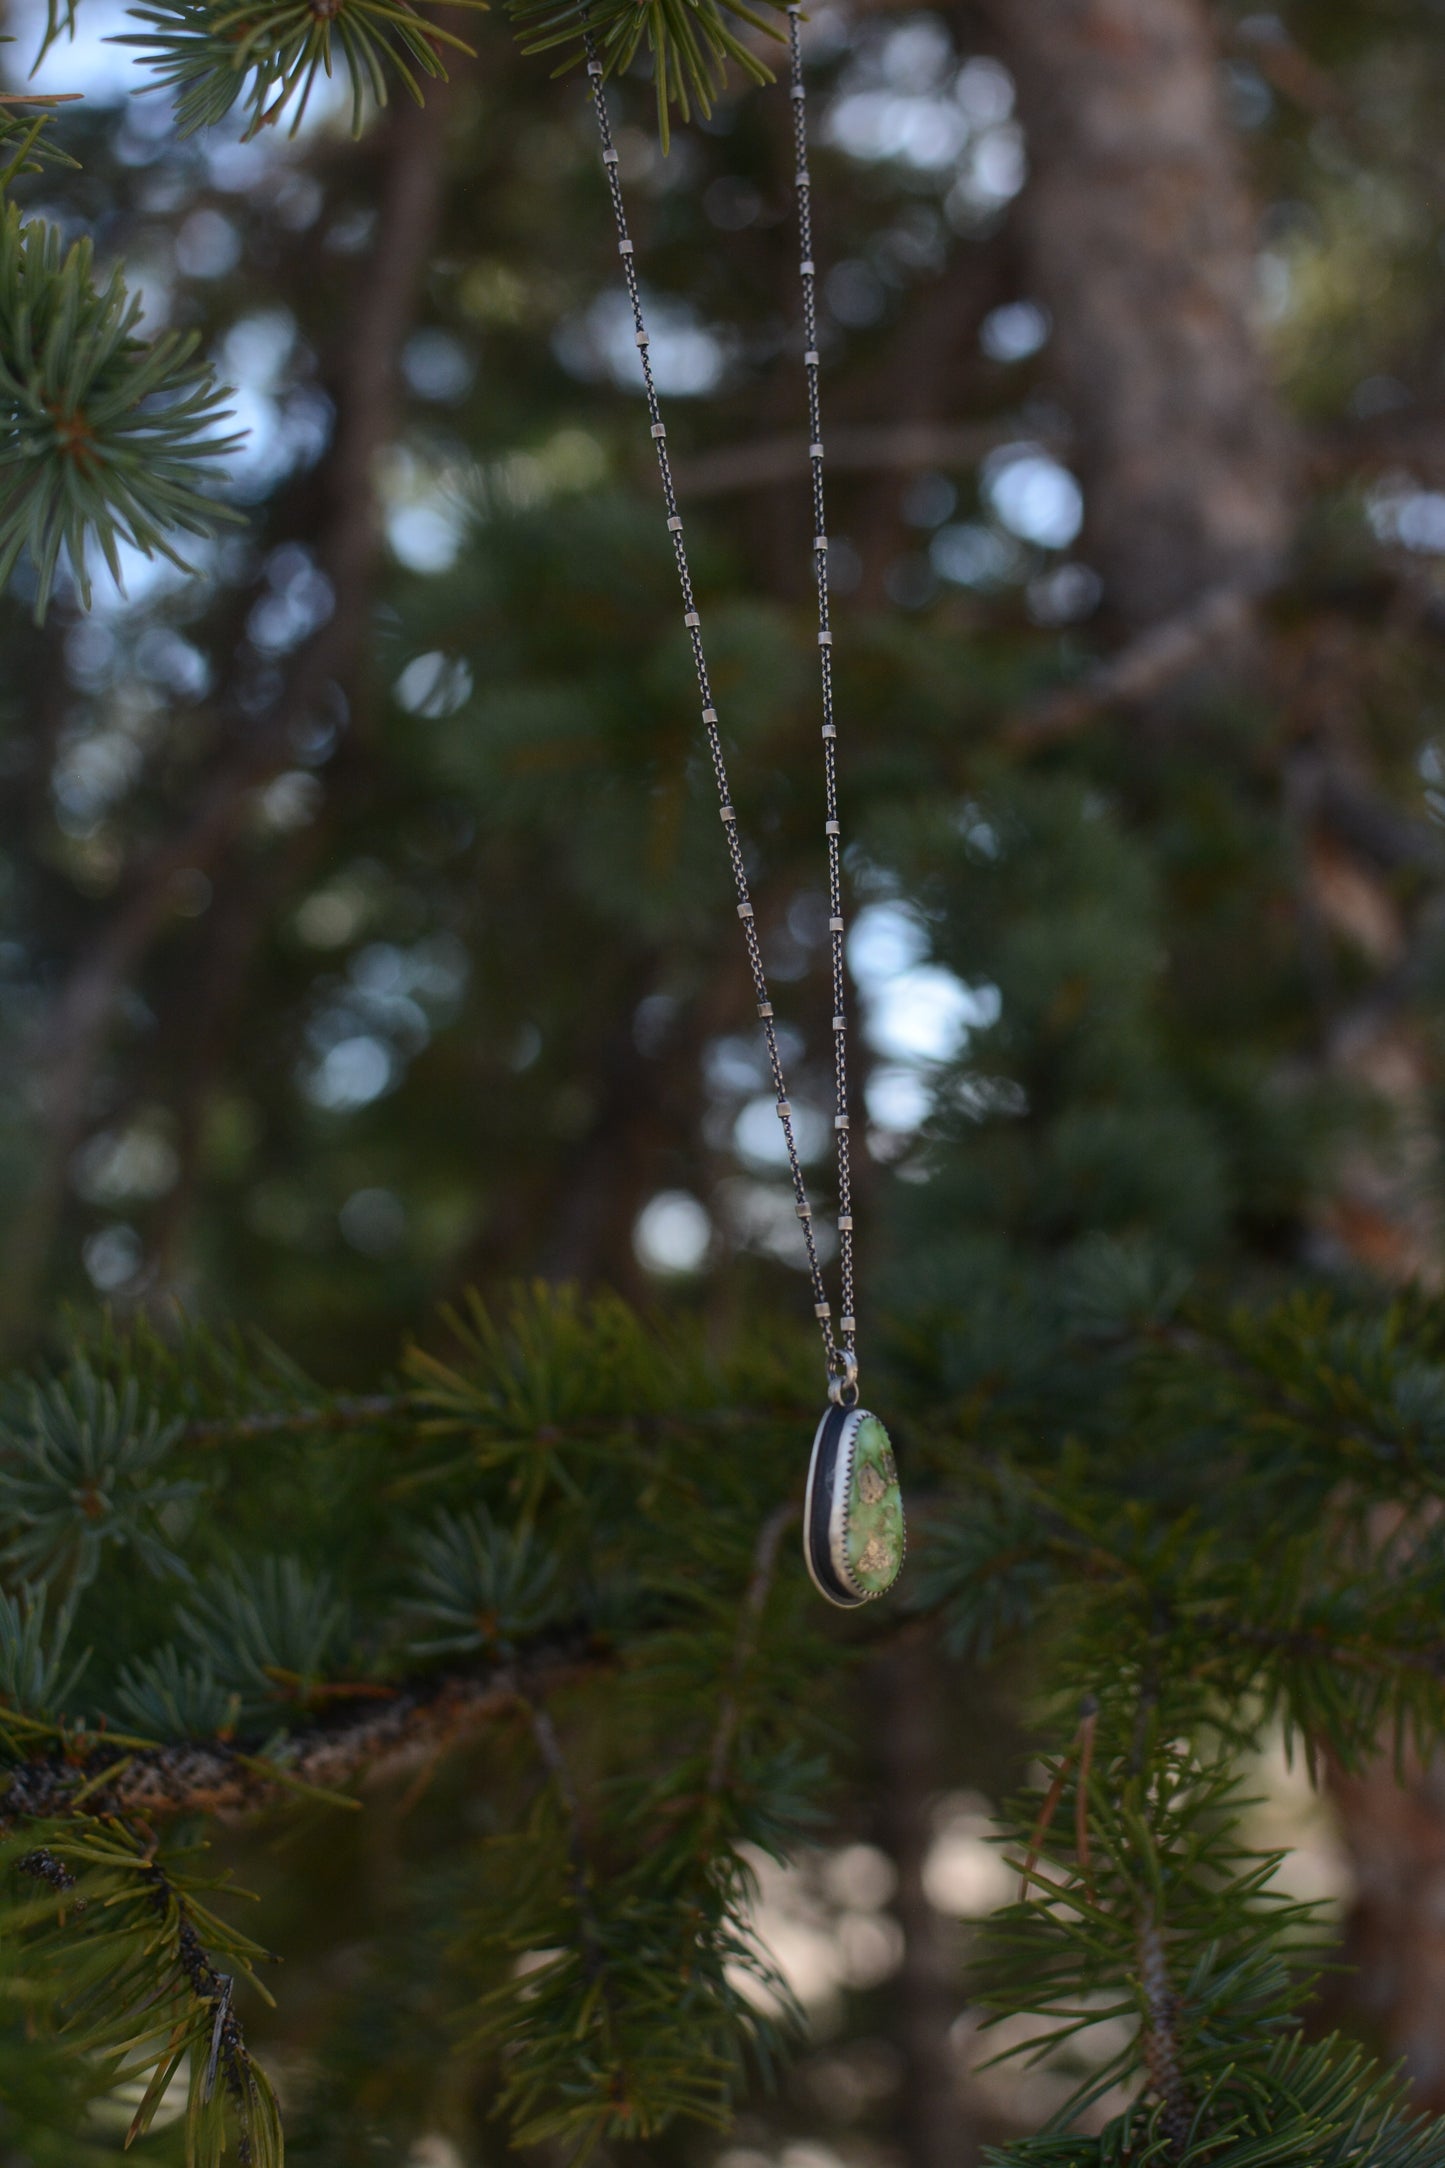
1400, 511
119, 1166
973, 555
1032, 495
112, 1257
673, 1233
284, 425
297, 599
425, 537
917, 1013
758, 1133
84, 60
88, 59
91, 774
207, 245
166, 659
898, 1099
437, 366
143, 580
689, 357
904, 97
760, 1216
289, 801
734, 1065
350, 1074
1014, 330
434, 685
925, 131
926, 1013
372, 1024
425, 509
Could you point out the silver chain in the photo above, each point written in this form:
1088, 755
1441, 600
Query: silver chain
841, 1352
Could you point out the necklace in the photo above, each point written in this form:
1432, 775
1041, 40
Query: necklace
853, 1529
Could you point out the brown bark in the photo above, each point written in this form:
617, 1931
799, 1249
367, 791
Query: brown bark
1395, 1936
937, 2129
1138, 234
376, 1734
1139, 237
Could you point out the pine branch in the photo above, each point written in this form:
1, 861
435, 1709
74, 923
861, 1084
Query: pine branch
632, 1968
270, 56
127, 1962
24, 117
1308, 2105
535, 1545
364, 1411
104, 440
691, 43
1211, 1563
750, 1618
1158, 2043
385, 1730
80, 1472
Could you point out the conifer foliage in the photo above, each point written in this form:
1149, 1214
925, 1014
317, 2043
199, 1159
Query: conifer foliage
105, 439
111, 442
577, 1534
573, 1534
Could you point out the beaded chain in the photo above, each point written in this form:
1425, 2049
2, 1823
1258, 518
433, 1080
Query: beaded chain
842, 1356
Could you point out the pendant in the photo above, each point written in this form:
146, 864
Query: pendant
853, 1532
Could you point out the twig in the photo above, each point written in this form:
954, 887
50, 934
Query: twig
1087, 1730
1159, 2045
352, 1414
1045, 1823
1081, 1750
228, 2055
771, 462
1412, 438
358, 1741
765, 1566
1141, 670
579, 1872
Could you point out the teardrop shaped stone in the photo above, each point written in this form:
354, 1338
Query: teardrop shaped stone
875, 1540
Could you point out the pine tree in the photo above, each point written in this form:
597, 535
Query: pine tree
568, 1535
550, 1533
113, 440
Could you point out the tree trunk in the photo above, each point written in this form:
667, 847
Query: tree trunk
1395, 1935
936, 2128
1138, 233
1139, 238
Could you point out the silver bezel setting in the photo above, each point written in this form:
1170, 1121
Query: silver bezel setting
826, 1522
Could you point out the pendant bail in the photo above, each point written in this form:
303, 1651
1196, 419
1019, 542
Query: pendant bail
843, 1380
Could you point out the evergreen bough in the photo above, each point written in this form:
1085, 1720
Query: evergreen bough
104, 438
111, 442
577, 1534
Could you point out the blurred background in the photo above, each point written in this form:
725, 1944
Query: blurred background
366, 931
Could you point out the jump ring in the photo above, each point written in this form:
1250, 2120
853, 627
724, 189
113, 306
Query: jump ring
843, 1382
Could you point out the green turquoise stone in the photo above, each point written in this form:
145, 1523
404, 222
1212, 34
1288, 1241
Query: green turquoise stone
875, 1539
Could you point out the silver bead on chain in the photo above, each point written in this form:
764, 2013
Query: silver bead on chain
841, 1352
